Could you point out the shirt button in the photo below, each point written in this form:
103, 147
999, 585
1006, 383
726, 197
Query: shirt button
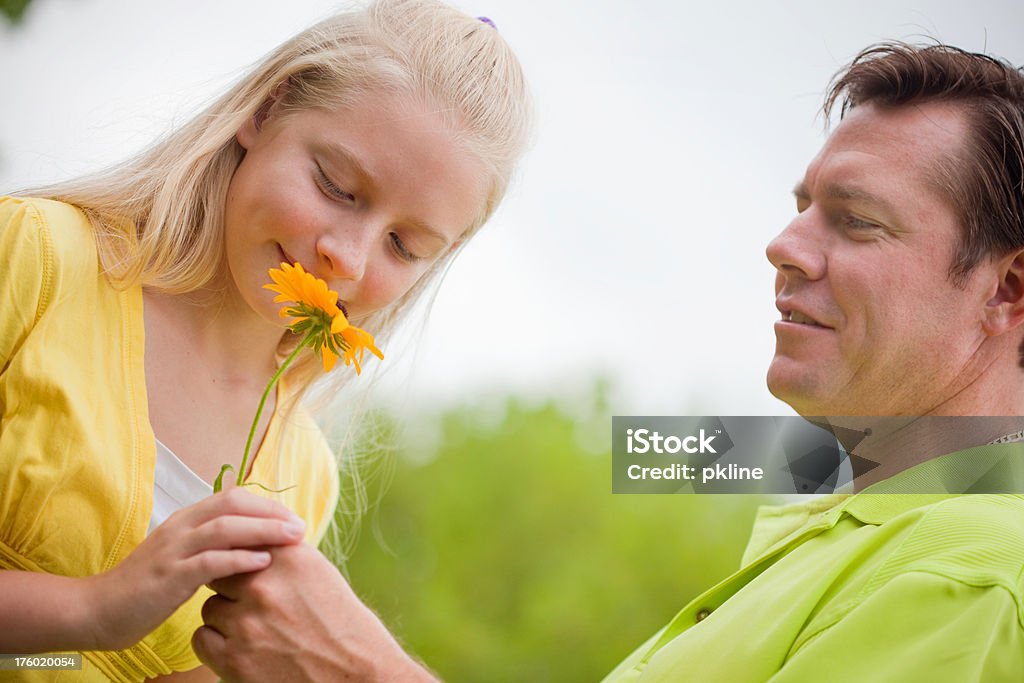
702, 615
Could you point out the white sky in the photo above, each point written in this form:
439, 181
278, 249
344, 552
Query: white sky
670, 135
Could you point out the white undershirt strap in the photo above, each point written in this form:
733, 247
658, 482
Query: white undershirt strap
175, 486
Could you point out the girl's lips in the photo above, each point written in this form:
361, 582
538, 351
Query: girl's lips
284, 256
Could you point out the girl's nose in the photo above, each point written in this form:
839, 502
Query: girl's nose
344, 253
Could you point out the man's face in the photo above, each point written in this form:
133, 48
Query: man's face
871, 322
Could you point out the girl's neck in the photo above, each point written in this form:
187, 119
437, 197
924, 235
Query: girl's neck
231, 340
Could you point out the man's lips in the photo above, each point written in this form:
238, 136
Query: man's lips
797, 316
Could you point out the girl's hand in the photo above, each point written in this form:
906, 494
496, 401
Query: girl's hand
225, 534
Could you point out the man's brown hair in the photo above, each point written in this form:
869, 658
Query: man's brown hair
985, 180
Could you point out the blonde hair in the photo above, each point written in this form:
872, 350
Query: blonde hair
159, 217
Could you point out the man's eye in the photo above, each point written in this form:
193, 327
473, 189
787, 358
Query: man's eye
859, 223
401, 250
330, 188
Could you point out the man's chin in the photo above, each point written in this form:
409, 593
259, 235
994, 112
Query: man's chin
799, 391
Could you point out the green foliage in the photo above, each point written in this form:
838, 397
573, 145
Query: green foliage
14, 10
509, 559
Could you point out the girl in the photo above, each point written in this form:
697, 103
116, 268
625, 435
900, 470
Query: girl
136, 337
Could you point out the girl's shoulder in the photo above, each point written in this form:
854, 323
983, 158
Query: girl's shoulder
53, 238
47, 250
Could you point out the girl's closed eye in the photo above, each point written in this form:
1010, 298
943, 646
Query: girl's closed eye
330, 188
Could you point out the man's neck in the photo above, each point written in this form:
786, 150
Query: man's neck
885, 446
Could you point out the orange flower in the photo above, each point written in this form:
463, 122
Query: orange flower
316, 315
293, 283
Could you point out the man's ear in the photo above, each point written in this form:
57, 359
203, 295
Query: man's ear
250, 129
1005, 310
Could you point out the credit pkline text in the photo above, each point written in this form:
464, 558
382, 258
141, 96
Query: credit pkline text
729, 472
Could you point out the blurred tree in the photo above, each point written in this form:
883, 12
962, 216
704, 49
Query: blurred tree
511, 560
14, 10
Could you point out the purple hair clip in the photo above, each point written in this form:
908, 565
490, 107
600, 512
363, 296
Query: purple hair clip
487, 20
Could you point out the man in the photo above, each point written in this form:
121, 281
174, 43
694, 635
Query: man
901, 288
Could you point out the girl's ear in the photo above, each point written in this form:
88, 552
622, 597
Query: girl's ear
250, 130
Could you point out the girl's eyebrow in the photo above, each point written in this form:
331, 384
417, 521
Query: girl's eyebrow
353, 163
425, 227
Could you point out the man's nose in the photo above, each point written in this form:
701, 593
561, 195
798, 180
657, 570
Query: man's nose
799, 250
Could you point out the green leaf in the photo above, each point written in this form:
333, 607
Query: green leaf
218, 483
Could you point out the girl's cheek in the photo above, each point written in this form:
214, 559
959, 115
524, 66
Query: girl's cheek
383, 289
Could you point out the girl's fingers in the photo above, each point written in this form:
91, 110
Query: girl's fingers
214, 564
234, 501
225, 533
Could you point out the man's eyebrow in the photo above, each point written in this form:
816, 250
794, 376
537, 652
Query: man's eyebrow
846, 193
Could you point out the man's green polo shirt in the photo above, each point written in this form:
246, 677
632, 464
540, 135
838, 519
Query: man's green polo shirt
875, 586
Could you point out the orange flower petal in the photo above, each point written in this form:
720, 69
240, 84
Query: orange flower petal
339, 323
329, 358
358, 338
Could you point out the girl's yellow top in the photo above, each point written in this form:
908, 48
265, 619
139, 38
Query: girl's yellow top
77, 453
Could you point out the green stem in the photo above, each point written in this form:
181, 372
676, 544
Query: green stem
266, 392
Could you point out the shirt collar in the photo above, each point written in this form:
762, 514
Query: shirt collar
983, 469
993, 468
